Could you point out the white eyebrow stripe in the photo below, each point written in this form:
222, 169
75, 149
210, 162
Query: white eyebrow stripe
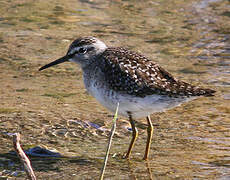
74, 50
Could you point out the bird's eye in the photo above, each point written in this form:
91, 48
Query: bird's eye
82, 50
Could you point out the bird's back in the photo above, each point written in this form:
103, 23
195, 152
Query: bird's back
132, 73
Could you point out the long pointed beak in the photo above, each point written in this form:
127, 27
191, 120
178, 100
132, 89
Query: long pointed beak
58, 61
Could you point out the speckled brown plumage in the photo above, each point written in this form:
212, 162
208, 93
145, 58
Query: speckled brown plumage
82, 41
134, 74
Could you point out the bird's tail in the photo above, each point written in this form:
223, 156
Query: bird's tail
190, 90
203, 92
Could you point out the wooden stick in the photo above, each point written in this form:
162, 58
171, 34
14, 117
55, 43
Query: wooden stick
22, 156
109, 143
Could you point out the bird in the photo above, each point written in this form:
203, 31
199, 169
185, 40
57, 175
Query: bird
117, 75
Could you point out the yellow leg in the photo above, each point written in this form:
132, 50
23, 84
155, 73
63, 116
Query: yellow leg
134, 136
149, 138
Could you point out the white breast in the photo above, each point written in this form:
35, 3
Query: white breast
139, 107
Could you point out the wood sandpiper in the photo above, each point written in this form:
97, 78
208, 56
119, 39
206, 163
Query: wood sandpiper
141, 87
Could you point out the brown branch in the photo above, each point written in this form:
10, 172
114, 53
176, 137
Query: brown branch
22, 156
109, 143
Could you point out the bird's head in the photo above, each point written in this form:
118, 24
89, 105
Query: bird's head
82, 51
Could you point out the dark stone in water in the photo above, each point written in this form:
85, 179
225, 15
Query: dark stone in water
40, 152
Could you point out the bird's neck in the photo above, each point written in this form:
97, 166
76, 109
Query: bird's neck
92, 64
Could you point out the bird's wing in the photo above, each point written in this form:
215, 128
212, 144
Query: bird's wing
135, 74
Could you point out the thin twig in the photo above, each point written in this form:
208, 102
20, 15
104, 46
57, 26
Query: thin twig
109, 143
23, 158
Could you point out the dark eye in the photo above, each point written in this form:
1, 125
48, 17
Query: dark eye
82, 50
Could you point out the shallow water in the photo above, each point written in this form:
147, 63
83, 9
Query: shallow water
51, 109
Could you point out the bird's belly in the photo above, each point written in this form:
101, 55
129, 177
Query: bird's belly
138, 106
